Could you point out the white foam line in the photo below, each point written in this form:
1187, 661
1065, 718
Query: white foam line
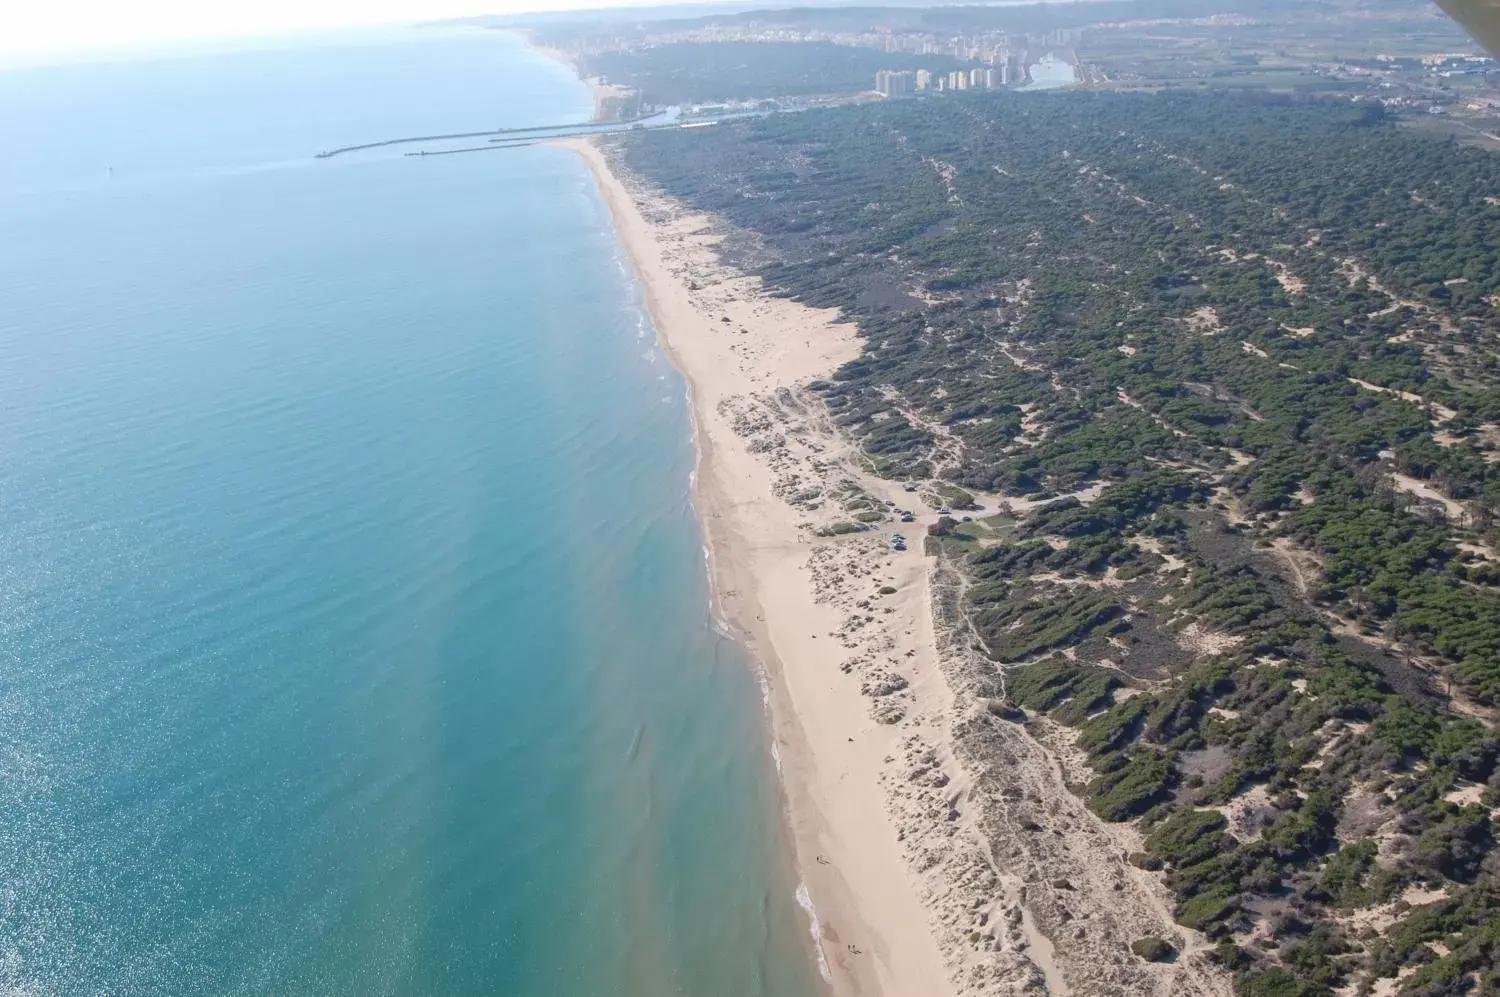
804, 900
647, 326
720, 625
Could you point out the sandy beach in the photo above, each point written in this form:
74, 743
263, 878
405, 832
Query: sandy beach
939, 843
788, 593
600, 90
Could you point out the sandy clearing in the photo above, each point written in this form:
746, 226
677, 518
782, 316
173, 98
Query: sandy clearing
1452, 508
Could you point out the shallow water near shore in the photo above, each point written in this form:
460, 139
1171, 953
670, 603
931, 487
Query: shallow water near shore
354, 628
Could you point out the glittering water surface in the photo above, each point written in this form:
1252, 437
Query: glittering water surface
353, 624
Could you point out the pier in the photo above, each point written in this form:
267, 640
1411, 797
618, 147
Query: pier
498, 135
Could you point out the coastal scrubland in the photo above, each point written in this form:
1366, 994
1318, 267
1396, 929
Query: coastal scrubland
1221, 371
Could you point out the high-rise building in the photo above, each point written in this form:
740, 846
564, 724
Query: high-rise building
924, 79
894, 83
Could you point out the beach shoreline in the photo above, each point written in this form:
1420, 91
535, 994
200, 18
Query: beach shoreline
915, 801
600, 91
731, 344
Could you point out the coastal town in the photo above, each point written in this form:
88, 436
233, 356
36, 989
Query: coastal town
1413, 63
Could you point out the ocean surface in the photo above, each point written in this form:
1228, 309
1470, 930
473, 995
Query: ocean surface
354, 629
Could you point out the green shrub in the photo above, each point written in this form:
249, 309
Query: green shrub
1153, 949
1189, 836
1133, 788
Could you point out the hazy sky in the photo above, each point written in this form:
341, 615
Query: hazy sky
32, 27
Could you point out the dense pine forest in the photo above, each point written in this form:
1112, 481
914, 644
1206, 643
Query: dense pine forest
1226, 366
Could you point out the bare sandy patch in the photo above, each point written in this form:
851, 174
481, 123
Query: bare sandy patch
1466, 795
1243, 814
1205, 321
1452, 508
1197, 638
1289, 281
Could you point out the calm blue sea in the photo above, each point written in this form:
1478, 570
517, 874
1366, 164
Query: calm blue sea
354, 634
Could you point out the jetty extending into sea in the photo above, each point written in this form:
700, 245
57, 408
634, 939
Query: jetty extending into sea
500, 134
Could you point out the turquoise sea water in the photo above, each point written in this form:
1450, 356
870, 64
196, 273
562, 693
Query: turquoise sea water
354, 634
